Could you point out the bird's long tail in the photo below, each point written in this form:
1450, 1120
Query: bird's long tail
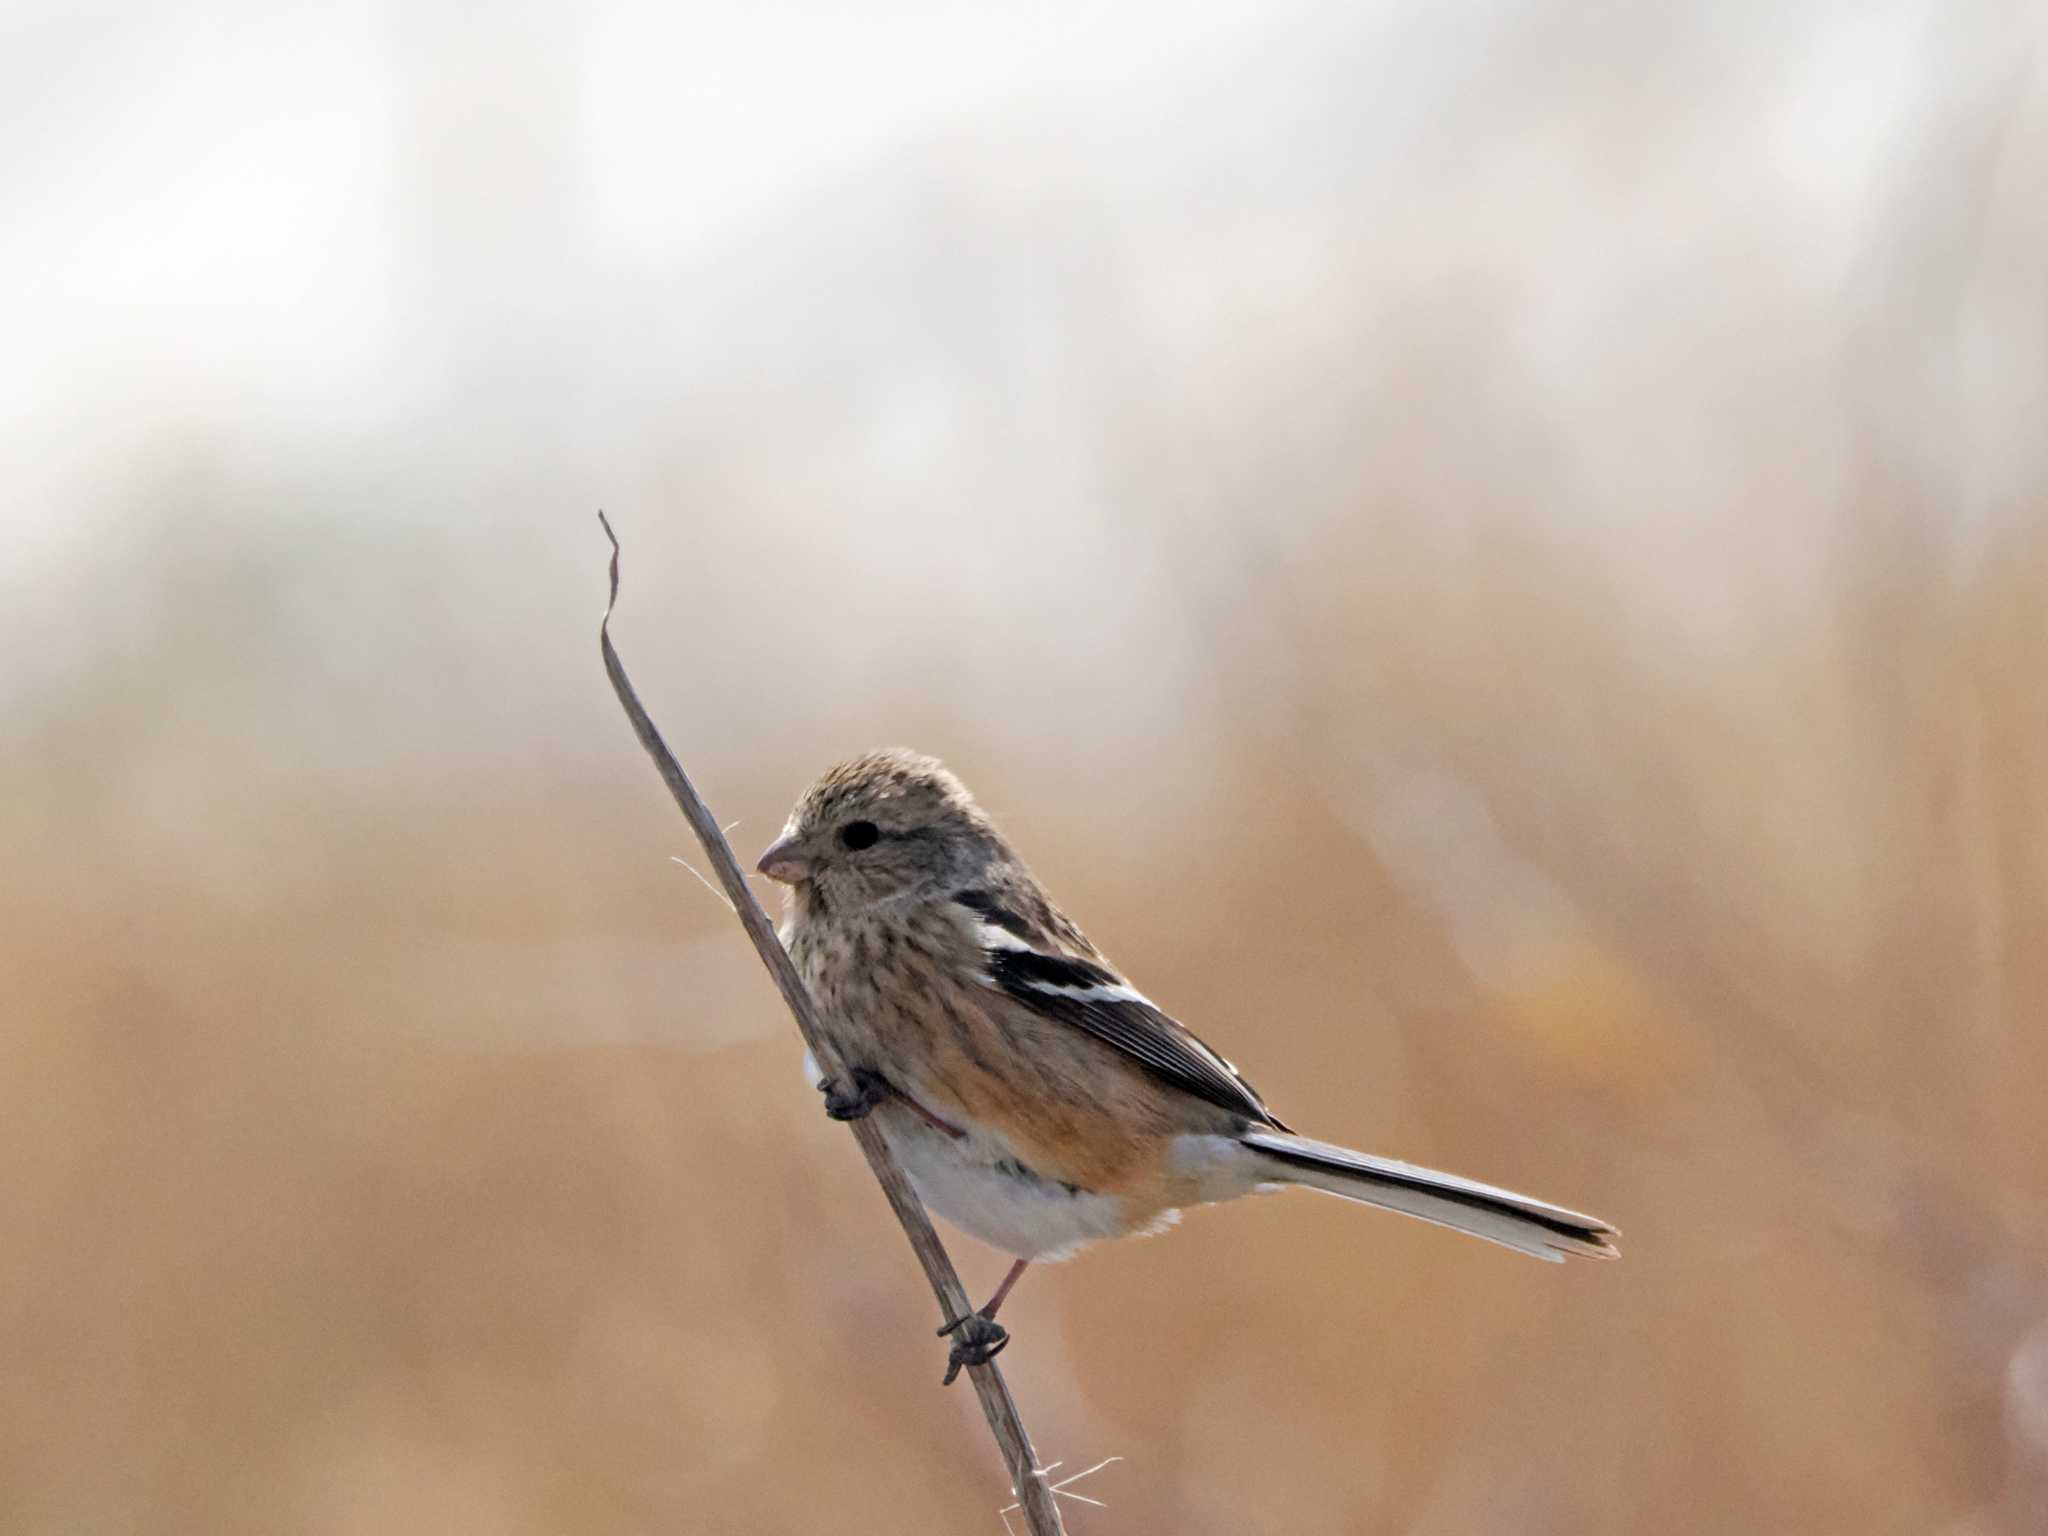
1498, 1215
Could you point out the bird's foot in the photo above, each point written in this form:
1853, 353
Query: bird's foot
977, 1339
854, 1096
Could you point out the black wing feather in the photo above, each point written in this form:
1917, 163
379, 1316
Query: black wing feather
1155, 1040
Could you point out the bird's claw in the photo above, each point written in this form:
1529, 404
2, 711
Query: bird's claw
854, 1096
976, 1341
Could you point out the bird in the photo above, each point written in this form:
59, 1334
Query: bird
1035, 1098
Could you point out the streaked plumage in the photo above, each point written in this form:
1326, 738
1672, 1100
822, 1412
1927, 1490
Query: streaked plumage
1038, 1099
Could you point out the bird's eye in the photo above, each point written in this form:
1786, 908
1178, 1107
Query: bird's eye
859, 834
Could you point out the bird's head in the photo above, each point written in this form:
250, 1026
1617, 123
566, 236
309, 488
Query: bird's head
886, 826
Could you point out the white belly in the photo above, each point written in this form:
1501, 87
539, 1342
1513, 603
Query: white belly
977, 1185
980, 1189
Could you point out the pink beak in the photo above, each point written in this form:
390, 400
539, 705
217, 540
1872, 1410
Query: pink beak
783, 861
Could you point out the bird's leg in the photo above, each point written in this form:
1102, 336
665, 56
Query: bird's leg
1016, 1273
929, 1118
855, 1095
978, 1337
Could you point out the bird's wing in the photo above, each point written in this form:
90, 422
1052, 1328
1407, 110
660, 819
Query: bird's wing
1029, 963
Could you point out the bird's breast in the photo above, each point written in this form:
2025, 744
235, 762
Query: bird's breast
906, 997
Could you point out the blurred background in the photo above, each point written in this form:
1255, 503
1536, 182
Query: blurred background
1493, 554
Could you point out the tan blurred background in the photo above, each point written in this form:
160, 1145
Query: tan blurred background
1494, 554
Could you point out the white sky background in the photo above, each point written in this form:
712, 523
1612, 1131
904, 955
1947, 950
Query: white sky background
899, 280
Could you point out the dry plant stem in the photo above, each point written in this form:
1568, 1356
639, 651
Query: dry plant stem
1032, 1488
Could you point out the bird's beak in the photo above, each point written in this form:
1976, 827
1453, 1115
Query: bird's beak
784, 861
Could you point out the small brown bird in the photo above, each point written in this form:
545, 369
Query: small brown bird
1035, 1098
